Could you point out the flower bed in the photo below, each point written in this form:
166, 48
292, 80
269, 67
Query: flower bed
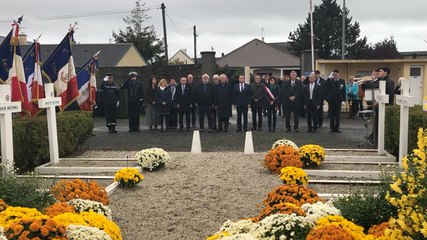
295, 194
312, 155
284, 142
293, 176
128, 177
82, 205
67, 190
35, 228
152, 158
280, 157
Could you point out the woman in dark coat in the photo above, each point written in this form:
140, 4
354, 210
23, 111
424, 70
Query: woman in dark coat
223, 102
151, 115
270, 103
163, 97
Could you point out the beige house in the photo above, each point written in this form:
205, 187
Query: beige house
181, 57
262, 58
414, 69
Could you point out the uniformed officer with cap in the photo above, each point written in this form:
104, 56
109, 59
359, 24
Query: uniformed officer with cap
110, 96
135, 98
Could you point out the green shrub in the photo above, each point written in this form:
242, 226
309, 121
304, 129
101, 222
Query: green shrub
31, 141
367, 206
417, 119
25, 192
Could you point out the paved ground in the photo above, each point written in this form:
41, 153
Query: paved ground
353, 132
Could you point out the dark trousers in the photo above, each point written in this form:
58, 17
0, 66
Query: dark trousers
256, 112
242, 114
181, 119
173, 118
279, 106
287, 111
225, 121
205, 110
272, 117
334, 115
166, 120
320, 116
133, 112
193, 115
214, 118
354, 107
312, 115
361, 105
110, 115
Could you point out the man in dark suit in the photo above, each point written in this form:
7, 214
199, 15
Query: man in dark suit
320, 82
257, 94
184, 102
312, 99
291, 99
242, 100
204, 98
335, 88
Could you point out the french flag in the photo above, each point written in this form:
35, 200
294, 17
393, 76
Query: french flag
60, 70
33, 75
86, 80
16, 73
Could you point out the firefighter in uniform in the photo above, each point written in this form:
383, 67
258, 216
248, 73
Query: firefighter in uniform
110, 96
135, 98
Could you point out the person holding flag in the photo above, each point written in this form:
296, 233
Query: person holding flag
33, 75
12, 68
60, 70
270, 103
86, 82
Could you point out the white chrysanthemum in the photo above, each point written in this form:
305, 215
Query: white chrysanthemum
152, 158
78, 232
2, 236
284, 142
82, 205
242, 226
318, 210
241, 236
282, 224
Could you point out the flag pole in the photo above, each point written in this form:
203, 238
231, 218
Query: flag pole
312, 35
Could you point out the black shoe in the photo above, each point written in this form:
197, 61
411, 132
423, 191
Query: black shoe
226, 130
219, 130
114, 131
253, 129
188, 129
259, 129
269, 130
238, 130
308, 131
180, 130
288, 130
296, 130
314, 131
337, 131
332, 131
274, 130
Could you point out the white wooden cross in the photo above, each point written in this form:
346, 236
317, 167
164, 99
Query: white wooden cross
6, 109
405, 101
382, 100
50, 102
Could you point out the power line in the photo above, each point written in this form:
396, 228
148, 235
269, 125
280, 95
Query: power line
179, 29
80, 15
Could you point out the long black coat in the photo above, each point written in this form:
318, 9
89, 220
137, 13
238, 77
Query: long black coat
185, 100
317, 95
223, 100
322, 82
287, 91
163, 96
204, 97
335, 91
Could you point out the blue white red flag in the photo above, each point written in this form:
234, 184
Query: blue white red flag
16, 75
86, 80
60, 70
33, 75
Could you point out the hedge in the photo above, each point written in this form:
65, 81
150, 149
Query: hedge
31, 141
417, 119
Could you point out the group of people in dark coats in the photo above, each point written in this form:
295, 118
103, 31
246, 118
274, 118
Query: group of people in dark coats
174, 105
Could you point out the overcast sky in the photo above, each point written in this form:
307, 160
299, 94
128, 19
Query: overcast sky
223, 25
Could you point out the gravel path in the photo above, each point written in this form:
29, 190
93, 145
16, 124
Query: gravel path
192, 196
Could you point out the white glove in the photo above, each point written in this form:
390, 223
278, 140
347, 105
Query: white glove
331, 75
118, 102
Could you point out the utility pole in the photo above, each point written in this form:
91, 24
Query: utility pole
343, 30
312, 36
165, 37
195, 44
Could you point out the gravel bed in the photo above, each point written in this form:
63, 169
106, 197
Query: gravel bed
195, 194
